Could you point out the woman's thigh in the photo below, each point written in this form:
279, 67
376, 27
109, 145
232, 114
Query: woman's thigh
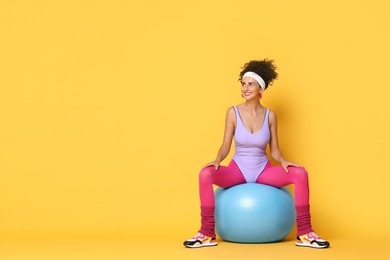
275, 176
226, 176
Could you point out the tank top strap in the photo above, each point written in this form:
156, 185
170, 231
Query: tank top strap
266, 118
238, 116
235, 108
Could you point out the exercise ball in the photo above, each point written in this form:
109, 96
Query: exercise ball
254, 213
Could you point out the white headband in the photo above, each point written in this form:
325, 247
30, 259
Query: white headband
255, 77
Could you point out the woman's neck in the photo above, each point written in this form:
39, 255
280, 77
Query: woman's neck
253, 105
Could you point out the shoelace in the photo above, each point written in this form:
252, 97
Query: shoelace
199, 236
313, 236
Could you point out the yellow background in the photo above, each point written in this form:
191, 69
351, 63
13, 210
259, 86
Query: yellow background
108, 109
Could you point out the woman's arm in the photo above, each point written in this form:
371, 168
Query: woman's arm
227, 139
274, 144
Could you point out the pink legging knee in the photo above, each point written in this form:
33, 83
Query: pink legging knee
227, 176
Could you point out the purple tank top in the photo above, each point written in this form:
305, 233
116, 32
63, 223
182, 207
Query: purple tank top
250, 155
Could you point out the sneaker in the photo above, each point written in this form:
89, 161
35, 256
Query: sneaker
200, 240
311, 240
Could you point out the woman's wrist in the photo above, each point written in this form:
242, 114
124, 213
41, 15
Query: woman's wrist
282, 160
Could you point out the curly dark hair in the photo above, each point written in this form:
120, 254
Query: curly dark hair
264, 68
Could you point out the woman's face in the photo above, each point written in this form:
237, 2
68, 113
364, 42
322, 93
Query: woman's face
250, 88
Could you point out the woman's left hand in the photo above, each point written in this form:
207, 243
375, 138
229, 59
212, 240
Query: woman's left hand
285, 164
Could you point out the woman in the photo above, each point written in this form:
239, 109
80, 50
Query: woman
253, 127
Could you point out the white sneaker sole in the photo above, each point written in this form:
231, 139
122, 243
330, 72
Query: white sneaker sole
310, 245
197, 245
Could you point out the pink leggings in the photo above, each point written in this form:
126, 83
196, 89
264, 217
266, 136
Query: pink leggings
227, 176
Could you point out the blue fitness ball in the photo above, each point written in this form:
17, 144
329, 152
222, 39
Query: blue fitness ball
254, 213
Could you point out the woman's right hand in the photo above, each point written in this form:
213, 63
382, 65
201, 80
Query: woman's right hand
214, 163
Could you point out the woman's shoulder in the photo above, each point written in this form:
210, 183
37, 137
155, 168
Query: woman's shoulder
232, 108
239, 107
270, 111
230, 111
271, 116
230, 115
